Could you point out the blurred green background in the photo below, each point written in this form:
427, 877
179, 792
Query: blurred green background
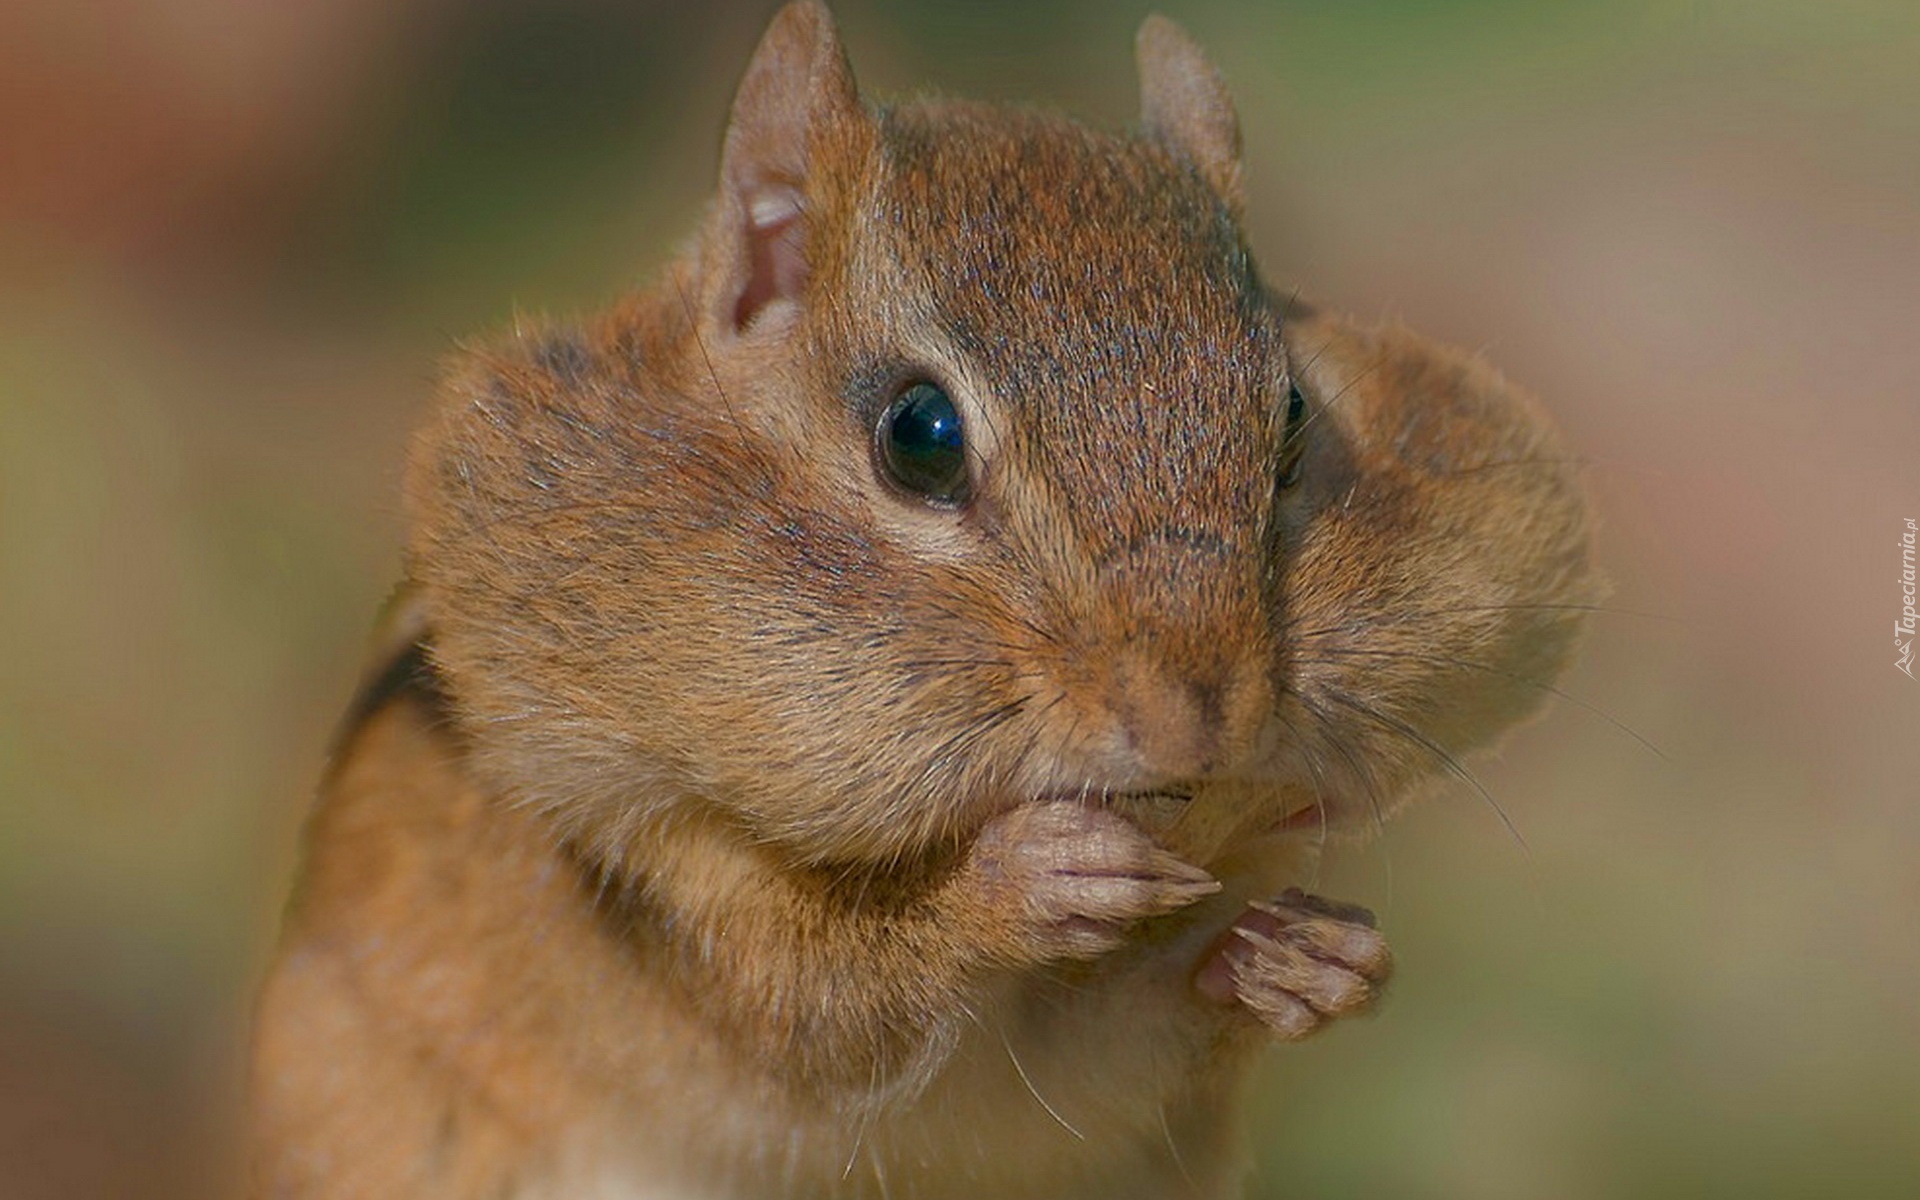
235, 237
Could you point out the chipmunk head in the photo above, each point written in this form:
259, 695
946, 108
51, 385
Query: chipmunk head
964, 458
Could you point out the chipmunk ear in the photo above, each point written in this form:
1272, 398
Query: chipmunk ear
797, 87
1184, 104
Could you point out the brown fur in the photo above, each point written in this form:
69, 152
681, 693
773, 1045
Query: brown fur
760, 830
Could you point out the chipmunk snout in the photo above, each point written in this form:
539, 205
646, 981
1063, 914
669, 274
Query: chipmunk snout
1185, 663
1182, 722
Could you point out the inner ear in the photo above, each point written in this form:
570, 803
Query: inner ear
775, 243
796, 93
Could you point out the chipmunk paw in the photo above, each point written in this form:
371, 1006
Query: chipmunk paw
1297, 962
1081, 875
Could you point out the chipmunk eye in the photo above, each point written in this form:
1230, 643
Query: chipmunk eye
1293, 442
922, 445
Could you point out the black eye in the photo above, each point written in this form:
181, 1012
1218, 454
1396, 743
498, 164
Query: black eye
1293, 441
922, 446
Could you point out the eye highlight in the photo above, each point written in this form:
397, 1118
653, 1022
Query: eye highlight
921, 444
1293, 442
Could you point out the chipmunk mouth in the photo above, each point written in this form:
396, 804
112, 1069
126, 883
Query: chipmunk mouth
1164, 795
1160, 809
1153, 809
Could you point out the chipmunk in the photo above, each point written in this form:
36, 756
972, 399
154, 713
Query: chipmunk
856, 709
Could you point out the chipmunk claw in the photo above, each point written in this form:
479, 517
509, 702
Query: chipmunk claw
1297, 962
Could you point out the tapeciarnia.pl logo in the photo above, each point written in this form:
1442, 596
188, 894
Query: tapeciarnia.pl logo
1903, 628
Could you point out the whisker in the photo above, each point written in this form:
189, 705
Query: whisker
1022, 1072
1369, 786
1319, 788
1300, 743
1303, 368
1470, 665
1583, 462
879, 1172
1173, 1150
1359, 624
1333, 400
1360, 773
965, 739
1506, 463
1439, 752
700, 343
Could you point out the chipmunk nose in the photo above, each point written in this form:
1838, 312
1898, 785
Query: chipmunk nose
1186, 721
1188, 678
